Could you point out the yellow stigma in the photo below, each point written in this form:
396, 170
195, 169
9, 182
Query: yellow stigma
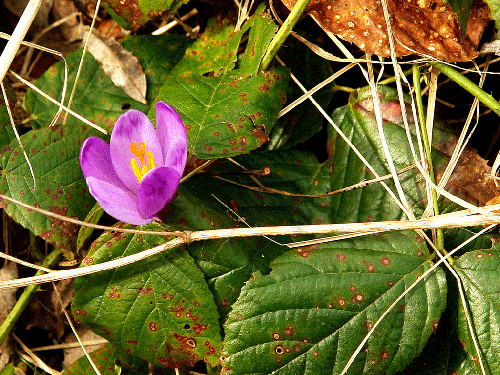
142, 154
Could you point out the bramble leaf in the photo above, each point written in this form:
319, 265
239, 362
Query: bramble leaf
312, 311
60, 185
226, 105
159, 309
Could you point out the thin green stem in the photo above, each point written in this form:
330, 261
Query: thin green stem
285, 30
343, 88
393, 78
470, 86
49, 262
428, 151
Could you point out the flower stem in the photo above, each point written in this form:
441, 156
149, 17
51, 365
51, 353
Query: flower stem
428, 151
285, 30
49, 262
470, 86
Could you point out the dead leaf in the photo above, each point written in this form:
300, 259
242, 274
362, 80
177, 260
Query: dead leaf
85, 335
7, 301
119, 64
425, 26
471, 179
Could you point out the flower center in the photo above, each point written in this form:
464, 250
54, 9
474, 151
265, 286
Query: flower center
145, 158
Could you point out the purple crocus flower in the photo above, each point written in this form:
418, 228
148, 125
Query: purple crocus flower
137, 174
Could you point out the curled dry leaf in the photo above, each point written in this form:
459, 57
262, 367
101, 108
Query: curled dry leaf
7, 301
119, 64
425, 26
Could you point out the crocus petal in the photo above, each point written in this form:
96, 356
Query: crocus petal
156, 190
132, 126
95, 160
172, 136
117, 202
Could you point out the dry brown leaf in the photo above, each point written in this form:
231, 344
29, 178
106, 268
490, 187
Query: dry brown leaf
7, 301
119, 64
85, 335
425, 26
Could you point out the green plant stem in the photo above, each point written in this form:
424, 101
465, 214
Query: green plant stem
393, 78
49, 262
428, 151
285, 30
470, 86
343, 88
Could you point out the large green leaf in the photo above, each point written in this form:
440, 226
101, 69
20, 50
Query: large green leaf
313, 310
108, 359
479, 272
60, 185
357, 122
96, 97
159, 309
226, 111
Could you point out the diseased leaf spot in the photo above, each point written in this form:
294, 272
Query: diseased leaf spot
390, 283
132, 341
296, 348
479, 256
384, 355
289, 331
352, 288
147, 290
276, 336
315, 354
152, 326
385, 261
187, 326
279, 350
106, 331
341, 301
358, 298
126, 106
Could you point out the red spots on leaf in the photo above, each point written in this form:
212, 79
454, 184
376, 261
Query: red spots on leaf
341, 302
231, 127
479, 256
152, 326
306, 251
232, 141
418, 239
186, 342
369, 325
199, 328
341, 257
22, 192
385, 261
352, 288
276, 336
145, 291
384, 355
81, 312
132, 342
315, 354
276, 77
489, 254
188, 127
208, 148
239, 316
390, 283
196, 303
289, 331
358, 298
129, 351
216, 134
33, 150
225, 303
243, 141
420, 254
260, 135
114, 293
106, 331
166, 362
238, 149
318, 221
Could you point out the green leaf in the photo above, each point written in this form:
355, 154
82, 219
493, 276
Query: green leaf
302, 122
8, 369
96, 97
107, 358
157, 55
229, 263
357, 122
60, 185
313, 310
494, 6
226, 110
479, 272
6, 132
159, 309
